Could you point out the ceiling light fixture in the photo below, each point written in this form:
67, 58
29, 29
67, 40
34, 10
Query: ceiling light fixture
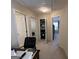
44, 9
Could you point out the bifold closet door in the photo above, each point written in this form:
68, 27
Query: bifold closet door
21, 29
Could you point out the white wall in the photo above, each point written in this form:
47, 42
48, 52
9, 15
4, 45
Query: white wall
31, 25
64, 30
26, 11
21, 28
63, 13
14, 38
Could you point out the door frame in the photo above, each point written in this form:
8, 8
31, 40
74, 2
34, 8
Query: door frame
52, 27
45, 28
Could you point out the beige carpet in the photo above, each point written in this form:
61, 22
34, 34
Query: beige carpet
50, 51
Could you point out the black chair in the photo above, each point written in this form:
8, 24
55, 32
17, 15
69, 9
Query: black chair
30, 42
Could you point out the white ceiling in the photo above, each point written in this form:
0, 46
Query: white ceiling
35, 4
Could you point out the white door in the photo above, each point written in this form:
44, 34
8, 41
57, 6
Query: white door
31, 25
20, 21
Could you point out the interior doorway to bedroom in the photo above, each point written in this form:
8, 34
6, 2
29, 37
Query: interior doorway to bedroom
55, 29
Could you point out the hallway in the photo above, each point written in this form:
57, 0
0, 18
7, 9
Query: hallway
49, 51
40, 9
56, 39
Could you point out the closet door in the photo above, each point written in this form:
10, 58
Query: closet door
21, 29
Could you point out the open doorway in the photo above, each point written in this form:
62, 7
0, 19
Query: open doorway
55, 29
42, 29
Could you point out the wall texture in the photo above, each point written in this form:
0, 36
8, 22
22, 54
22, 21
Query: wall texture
63, 13
22, 9
14, 38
